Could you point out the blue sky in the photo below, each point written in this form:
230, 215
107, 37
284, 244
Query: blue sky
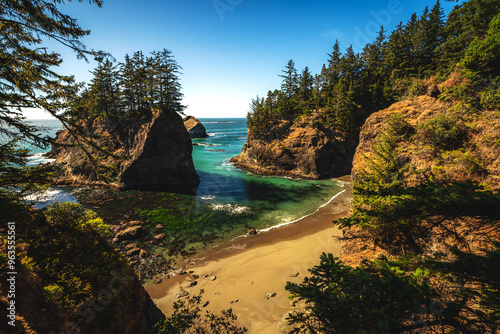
231, 50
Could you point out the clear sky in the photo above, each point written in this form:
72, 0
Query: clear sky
231, 50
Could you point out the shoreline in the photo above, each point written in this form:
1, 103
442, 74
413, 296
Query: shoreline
247, 268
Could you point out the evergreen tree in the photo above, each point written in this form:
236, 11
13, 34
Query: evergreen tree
306, 81
375, 74
289, 84
28, 78
139, 80
104, 90
466, 21
168, 89
435, 36
129, 96
332, 72
351, 69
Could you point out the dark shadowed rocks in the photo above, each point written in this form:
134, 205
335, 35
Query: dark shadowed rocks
152, 153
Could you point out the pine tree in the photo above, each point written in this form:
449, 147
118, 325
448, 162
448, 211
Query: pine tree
467, 21
375, 74
28, 78
333, 72
306, 81
129, 96
435, 36
166, 71
104, 91
289, 84
139, 81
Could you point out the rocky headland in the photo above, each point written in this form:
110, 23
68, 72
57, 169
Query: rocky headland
194, 127
440, 141
302, 148
148, 153
435, 143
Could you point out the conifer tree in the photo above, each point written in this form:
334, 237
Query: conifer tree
306, 85
289, 84
467, 21
28, 78
139, 80
129, 96
333, 72
104, 90
166, 71
435, 36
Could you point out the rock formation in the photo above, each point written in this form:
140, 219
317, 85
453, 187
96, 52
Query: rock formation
303, 149
194, 127
149, 154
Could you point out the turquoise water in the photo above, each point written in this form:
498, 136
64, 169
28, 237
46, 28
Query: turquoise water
276, 200
271, 200
50, 127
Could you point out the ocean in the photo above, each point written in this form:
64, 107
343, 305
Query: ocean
274, 201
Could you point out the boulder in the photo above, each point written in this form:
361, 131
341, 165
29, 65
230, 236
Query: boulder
130, 233
149, 153
194, 127
159, 237
133, 251
143, 253
433, 91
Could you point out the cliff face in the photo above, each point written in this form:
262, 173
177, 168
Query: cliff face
194, 127
302, 149
156, 151
450, 145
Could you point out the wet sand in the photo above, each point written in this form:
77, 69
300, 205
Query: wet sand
250, 268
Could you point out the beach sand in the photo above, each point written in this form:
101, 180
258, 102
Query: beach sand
249, 268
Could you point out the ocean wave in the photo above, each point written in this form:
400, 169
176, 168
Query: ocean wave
43, 199
296, 220
234, 209
38, 158
207, 197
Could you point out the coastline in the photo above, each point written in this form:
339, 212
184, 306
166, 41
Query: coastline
247, 268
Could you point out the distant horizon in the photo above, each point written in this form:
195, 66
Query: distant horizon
55, 119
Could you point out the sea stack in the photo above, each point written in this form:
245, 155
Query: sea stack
152, 153
194, 127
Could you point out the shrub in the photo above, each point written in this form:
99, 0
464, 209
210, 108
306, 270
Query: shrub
417, 87
490, 96
373, 298
443, 132
60, 214
459, 88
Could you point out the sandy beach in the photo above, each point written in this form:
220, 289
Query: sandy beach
249, 269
